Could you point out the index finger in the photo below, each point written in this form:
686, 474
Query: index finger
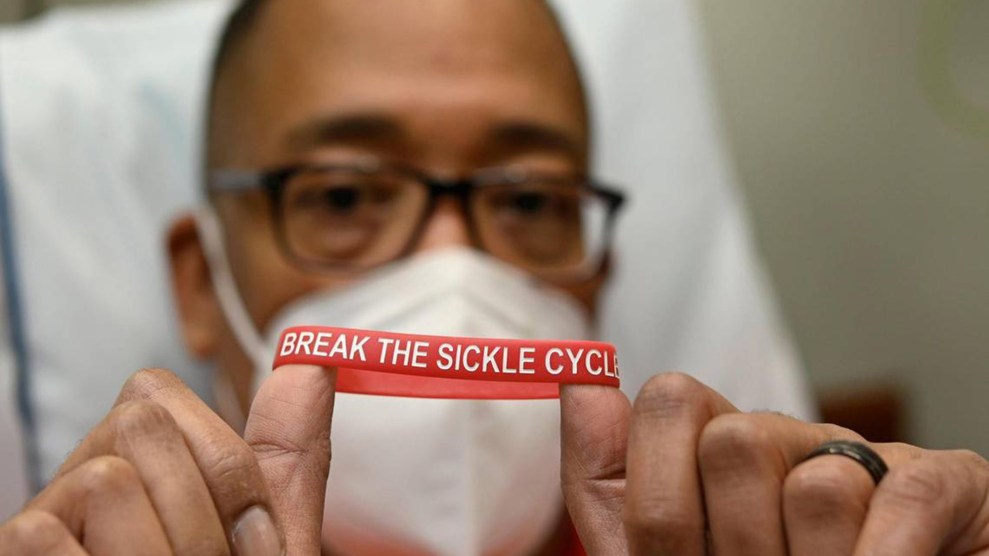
664, 508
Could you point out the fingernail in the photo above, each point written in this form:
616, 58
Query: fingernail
255, 534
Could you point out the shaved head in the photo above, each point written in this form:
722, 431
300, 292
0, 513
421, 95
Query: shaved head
455, 37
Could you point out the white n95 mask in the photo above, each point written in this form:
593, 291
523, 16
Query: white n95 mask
432, 476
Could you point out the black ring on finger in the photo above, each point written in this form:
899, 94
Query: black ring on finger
864, 455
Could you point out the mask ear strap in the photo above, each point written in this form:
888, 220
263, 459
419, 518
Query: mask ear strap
231, 302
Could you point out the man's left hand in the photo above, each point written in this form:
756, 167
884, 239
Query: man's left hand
683, 472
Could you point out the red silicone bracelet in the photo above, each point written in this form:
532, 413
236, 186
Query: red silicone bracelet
421, 366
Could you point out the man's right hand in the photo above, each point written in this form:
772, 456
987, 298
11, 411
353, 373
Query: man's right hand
163, 474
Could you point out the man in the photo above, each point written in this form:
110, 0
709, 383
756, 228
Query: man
314, 122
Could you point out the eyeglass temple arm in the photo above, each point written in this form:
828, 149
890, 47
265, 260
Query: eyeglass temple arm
235, 180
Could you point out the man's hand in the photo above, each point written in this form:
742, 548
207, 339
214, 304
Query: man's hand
163, 474
682, 472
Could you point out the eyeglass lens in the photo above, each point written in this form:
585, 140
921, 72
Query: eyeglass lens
356, 219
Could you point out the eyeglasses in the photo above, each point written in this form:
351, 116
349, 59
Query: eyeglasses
352, 217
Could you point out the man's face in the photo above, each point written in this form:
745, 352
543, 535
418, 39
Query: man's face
445, 86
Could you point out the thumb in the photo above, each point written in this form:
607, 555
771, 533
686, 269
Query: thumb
289, 430
594, 421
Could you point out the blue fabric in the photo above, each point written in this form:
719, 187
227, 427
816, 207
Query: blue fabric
15, 317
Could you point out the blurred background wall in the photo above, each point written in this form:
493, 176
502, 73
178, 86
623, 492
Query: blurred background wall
11, 10
869, 197
860, 135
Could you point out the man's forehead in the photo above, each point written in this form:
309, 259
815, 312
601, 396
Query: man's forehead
458, 35
380, 127
323, 52
401, 19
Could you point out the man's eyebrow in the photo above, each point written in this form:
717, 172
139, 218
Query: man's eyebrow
525, 135
344, 128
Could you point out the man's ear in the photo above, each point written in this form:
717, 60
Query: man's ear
198, 309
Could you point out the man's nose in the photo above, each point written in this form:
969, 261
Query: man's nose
445, 227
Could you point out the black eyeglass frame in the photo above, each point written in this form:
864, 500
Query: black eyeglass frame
272, 183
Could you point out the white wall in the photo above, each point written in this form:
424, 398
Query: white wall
871, 210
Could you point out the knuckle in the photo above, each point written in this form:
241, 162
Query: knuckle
835, 432
146, 382
969, 458
669, 394
731, 441
108, 475
234, 468
965, 467
658, 522
915, 485
139, 418
234, 480
31, 529
821, 487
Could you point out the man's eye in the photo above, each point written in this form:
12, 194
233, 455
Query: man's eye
341, 199
528, 203
538, 204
